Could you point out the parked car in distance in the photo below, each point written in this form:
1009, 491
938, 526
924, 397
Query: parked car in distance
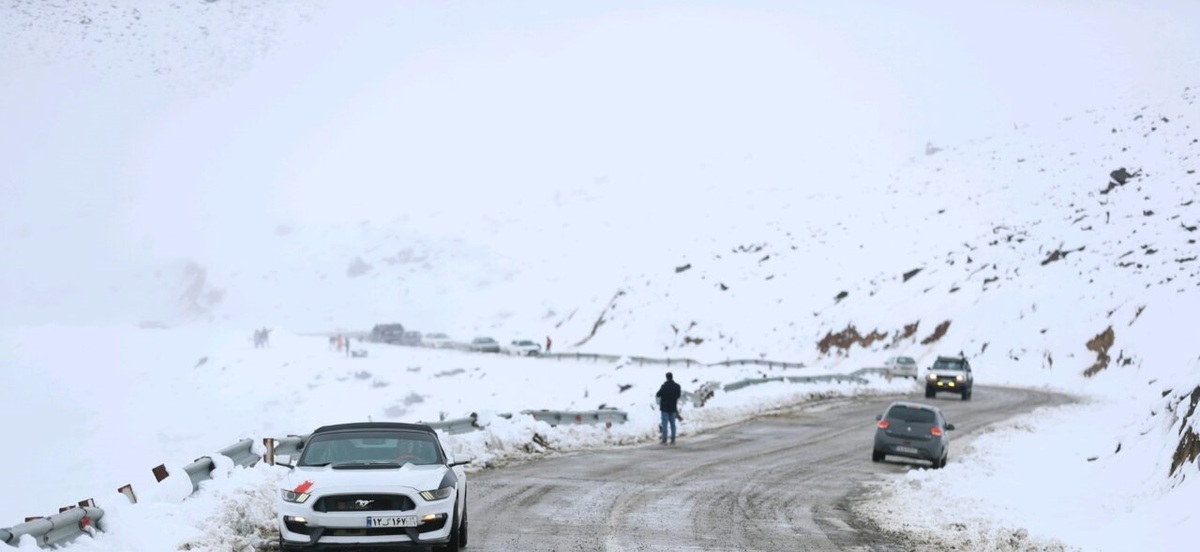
411, 338
374, 485
485, 345
438, 340
912, 430
524, 347
951, 374
386, 333
901, 367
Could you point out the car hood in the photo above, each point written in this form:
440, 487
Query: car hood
950, 373
325, 478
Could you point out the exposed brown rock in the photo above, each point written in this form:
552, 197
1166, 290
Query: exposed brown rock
938, 333
1100, 345
1189, 442
846, 338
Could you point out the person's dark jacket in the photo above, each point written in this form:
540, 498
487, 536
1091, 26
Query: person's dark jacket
668, 396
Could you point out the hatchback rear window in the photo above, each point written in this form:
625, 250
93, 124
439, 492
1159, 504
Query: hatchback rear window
911, 415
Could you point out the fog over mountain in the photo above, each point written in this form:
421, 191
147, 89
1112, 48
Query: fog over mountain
332, 166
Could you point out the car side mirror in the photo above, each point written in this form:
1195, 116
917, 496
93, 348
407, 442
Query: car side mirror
949, 427
878, 417
460, 460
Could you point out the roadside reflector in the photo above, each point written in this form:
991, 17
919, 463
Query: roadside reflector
127, 490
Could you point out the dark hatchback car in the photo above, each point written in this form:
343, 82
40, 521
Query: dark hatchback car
912, 430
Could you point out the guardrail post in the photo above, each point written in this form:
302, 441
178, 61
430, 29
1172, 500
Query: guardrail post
269, 443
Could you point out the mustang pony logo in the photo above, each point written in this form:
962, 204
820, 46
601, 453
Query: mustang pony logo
362, 503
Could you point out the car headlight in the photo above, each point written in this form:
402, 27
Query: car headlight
958, 378
931, 375
437, 494
293, 496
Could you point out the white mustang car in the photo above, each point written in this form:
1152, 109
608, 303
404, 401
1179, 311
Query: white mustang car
374, 485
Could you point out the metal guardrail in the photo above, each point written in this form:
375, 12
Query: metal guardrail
856, 376
56, 530
701, 395
69, 524
641, 361
201, 469
567, 417
457, 425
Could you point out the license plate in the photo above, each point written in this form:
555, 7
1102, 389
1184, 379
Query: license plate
909, 450
392, 521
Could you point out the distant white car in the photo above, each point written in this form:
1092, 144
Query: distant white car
901, 367
438, 341
484, 345
523, 347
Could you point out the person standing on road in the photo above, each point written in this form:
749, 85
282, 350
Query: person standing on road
548, 343
668, 404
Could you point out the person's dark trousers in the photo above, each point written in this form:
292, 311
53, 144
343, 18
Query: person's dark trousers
668, 420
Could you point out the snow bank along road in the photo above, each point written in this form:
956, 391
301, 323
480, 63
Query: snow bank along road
771, 484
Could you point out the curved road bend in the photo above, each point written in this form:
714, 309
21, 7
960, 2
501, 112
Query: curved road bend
772, 484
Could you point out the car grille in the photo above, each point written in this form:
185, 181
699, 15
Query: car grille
363, 503
424, 527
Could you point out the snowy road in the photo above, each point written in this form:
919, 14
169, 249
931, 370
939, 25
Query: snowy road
774, 484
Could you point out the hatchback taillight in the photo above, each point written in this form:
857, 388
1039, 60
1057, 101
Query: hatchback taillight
936, 431
883, 424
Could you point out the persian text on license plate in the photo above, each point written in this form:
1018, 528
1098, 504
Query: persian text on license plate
392, 521
909, 450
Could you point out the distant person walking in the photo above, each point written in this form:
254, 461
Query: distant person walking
348, 348
548, 343
668, 405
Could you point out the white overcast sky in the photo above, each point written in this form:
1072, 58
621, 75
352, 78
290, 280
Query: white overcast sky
128, 131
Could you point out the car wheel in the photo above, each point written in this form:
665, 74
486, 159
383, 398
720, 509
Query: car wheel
462, 529
930, 393
455, 537
966, 396
876, 456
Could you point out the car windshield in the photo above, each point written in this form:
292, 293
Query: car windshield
911, 415
370, 447
948, 364
905, 360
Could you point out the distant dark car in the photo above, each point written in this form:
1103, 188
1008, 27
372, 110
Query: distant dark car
912, 430
411, 338
387, 333
485, 345
951, 374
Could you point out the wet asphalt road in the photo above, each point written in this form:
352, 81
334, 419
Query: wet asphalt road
774, 484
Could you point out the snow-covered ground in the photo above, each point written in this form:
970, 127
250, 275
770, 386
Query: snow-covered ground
617, 179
